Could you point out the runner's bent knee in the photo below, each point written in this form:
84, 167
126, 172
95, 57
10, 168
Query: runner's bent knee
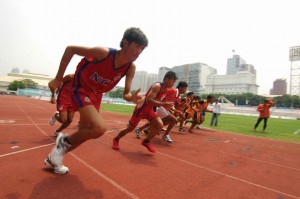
98, 130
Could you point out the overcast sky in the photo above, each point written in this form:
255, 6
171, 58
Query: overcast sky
34, 33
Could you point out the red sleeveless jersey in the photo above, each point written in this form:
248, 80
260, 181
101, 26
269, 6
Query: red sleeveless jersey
161, 95
64, 102
144, 106
99, 76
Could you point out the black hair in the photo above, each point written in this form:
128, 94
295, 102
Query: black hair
190, 93
196, 97
134, 35
170, 75
182, 84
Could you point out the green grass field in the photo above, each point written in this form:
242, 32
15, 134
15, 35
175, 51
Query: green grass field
279, 129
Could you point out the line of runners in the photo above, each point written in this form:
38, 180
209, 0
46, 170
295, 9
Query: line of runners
98, 72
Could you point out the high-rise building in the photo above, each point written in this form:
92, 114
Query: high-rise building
295, 70
241, 82
139, 81
240, 78
151, 78
143, 80
202, 78
233, 64
15, 70
279, 87
194, 74
161, 73
247, 68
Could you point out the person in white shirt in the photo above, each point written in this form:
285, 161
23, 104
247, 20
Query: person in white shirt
216, 113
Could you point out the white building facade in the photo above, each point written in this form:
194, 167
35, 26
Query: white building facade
139, 81
42, 80
202, 78
161, 73
194, 74
242, 82
151, 78
240, 78
233, 64
295, 70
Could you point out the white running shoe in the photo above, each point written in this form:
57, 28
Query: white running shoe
60, 170
197, 127
167, 138
53, 118
56, 156
137, 132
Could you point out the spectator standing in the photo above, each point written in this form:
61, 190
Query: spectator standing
264, 113
216, 113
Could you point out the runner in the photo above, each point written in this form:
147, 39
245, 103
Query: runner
204, 105
65, 109
145, 110
98, 72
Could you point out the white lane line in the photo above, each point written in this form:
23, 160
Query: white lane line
131, 195
21, 151
296, 132
33, 121
106, 178
181, 160
109, 180
220, 173
245, 157
116, 185
39, 124
34, 124
236, 155
7, 121
14, 124
263, 161
229, 176
11, 119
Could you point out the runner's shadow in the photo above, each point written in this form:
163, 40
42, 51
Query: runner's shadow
63, 186
140, 157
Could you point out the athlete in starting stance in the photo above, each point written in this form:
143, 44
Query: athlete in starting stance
64, 106
145, 110
98, 72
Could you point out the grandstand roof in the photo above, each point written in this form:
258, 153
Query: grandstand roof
40, 79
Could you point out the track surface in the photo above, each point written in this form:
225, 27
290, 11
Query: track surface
206, 164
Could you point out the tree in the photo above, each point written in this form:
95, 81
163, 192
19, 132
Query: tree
287, 101
29, 83
25, 83
116, 93
15, 85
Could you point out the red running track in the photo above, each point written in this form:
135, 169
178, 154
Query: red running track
206, 164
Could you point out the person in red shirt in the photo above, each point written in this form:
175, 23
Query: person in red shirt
187, 110
179, 106
168, 114
264, 113
145, 110
98, 72
64, 106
